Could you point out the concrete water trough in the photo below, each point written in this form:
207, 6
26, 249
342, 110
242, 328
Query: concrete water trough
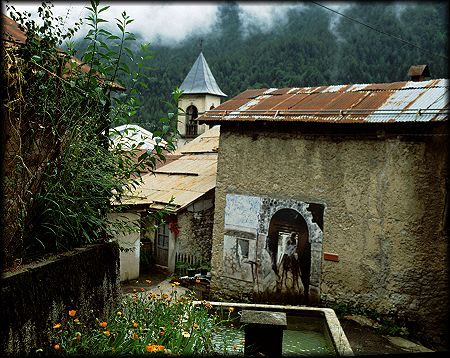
308, 331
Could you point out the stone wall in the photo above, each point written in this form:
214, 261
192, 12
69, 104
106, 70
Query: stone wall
385, 217
40, 294
195, 225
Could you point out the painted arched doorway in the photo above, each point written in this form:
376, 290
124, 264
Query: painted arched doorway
290, 252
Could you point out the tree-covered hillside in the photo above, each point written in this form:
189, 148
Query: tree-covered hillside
314, 46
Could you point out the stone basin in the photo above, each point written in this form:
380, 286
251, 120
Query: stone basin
326, 317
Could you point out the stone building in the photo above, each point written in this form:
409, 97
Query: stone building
184, 188
200, 93
336, 194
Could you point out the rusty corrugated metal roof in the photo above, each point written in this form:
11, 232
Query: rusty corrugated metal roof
11, 31
186, 179
408, 101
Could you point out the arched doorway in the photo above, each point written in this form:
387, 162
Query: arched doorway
290, 251
191, 123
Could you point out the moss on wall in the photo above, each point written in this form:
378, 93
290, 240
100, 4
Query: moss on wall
41, 294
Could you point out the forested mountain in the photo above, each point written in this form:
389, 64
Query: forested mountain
312, 47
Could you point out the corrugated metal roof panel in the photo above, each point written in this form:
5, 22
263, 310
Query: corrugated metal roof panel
249, 94
186, 179
292, 101
382, 102
232, 104
272, 101
283, 90
208, 142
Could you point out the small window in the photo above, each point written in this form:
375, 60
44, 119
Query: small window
191, 123
243, 245
162, 236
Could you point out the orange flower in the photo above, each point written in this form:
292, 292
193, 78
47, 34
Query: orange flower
56, 326
72, 313
56, 347
107, 333
142, 289
103, 324
154, 348
195, 325
207, 304
135, 324
134, 335
197, 281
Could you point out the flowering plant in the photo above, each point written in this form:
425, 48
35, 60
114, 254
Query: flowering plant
142, 323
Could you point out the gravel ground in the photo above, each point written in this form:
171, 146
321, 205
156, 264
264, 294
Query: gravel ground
363, 339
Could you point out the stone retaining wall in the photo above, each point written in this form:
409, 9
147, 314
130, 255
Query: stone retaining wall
40, 294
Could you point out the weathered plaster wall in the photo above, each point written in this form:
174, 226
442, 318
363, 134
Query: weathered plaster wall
196, 225
384, 215
40, 294
129, 243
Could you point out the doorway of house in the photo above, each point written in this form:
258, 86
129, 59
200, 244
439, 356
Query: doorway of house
290, 258
162, 245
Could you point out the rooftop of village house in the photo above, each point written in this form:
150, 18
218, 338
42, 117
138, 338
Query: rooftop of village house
13, 35
191, 175
407, 101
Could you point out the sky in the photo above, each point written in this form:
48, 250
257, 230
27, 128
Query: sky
170, 22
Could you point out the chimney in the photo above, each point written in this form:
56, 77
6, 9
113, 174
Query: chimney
418, 73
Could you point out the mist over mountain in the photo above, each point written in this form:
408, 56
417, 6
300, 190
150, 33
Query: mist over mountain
289, 44
308, 46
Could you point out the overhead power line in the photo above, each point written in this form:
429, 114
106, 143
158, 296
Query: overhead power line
379, 31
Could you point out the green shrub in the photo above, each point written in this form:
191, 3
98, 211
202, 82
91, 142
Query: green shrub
61, 177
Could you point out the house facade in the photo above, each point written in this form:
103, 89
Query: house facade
184, 191
336, 194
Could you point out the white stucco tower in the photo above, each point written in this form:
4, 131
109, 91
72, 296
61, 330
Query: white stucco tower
200, 93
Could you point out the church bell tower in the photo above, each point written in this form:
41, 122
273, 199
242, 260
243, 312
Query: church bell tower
200, 93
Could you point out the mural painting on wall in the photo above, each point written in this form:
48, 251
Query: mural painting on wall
276, 246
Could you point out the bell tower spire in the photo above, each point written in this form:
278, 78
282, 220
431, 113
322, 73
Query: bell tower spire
200, 93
